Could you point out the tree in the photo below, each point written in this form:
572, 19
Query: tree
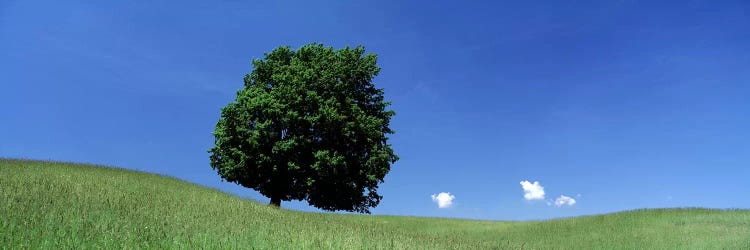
308, 125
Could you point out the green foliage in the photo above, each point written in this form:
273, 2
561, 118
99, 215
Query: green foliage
308, 125
46, 205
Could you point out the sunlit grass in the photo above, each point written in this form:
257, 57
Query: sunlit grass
62, 205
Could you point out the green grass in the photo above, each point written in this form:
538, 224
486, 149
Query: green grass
63, 205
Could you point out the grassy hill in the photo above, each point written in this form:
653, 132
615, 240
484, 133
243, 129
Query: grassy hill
63, 205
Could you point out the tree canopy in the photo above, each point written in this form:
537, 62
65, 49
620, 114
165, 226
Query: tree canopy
308, 125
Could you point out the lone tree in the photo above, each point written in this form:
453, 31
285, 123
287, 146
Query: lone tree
308, 125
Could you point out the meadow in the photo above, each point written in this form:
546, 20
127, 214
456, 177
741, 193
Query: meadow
66, 205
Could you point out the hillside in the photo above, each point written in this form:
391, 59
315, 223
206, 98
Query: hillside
62, 205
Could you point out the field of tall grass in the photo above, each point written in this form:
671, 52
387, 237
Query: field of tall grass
65, 205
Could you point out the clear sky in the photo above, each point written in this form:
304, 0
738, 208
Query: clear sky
614, 104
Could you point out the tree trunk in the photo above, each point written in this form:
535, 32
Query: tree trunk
275, 201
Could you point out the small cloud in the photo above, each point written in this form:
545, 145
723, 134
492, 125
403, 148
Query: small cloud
578, 196
532, 191
564, 200
424, 90
443, 199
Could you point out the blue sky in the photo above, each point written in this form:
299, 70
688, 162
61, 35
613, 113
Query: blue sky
616, 104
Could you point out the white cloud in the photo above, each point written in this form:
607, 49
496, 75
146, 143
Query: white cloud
564, 200
443, 199
532, 191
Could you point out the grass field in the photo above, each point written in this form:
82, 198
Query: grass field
63, 205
